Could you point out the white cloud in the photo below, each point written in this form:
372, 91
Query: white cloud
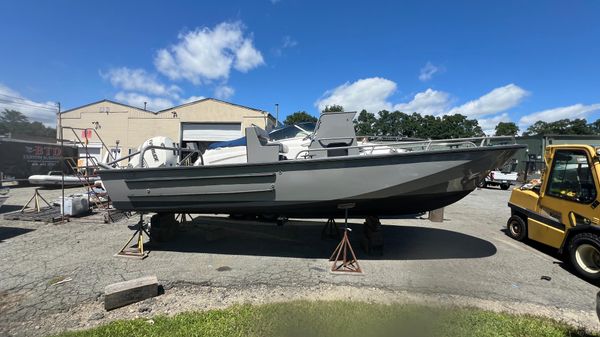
247, 58
139, 80
428, 71
208, 54
191, 99
287, 42
35, 111
369, 93
224, 92
488, 125
137, 100
429, 102
497, 100
551, 115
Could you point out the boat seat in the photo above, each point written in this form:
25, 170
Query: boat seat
258, 148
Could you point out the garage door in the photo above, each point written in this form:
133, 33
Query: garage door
210, 132
94, 150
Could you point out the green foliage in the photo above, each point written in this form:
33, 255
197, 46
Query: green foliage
564, 127
414, 125
334, 108
336, 318
507, 129
364, 123
15, 123
298, 117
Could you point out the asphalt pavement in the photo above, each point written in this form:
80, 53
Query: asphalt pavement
467, 255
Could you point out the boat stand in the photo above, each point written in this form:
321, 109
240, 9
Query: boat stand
183, 217
138, 250
330, 230
36, 199
343, 257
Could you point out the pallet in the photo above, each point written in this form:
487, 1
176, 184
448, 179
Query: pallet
46, 214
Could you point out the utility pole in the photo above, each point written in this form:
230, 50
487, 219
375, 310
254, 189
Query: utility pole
276, 115
62, 164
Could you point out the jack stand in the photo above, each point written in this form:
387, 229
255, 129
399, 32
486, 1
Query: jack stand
349, 264
330, 230
36, 198
183, 217
138, 251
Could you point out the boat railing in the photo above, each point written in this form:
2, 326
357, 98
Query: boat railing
412, 146
82, 143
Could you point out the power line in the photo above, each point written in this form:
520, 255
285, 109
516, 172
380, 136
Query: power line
24, 101
36, 105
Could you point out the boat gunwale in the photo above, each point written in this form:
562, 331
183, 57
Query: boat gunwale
317, 160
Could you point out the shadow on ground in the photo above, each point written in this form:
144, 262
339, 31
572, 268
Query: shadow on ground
563, 259
9, 208
9, 232
303, 240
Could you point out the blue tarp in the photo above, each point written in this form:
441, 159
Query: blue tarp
229, 143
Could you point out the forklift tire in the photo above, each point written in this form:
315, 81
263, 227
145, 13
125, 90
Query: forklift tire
504, 186
584, 253
516, 228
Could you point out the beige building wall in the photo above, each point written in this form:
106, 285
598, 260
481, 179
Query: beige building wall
132, 126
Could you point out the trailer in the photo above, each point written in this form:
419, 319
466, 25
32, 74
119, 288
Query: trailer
21, 158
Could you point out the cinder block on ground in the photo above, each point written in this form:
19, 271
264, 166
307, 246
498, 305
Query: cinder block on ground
121, 294
437, 215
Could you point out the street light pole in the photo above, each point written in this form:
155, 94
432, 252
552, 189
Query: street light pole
276, 115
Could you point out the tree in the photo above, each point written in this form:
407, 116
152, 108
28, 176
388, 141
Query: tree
12, 121
595, 127
458, 126
364, 124
334, 108
298, 117
562, 127
507, 129
16, 123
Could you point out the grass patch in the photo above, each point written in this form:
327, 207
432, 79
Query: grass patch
336, 318
56, 279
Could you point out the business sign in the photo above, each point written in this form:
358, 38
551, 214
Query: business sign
86, 134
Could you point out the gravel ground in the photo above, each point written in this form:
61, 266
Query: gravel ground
215, 262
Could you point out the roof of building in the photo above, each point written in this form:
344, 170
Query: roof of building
171, 108
107, 100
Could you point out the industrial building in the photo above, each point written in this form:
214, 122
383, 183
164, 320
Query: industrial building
123, 128
533, 156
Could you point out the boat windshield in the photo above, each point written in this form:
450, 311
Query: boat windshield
293, 131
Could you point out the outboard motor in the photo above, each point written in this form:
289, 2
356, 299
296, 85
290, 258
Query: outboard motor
155, 157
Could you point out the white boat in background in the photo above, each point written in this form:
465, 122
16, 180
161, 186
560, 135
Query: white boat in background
54, 178
293, 140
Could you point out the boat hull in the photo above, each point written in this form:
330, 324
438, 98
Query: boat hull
392, 184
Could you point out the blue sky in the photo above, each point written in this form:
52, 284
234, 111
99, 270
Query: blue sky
494, 61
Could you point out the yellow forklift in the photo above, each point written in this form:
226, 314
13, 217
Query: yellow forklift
562, 210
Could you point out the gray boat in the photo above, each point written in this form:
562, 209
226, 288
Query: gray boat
378, 178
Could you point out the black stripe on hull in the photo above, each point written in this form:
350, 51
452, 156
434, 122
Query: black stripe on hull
397, 205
